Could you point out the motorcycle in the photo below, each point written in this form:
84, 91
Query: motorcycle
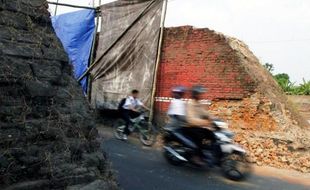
231, 158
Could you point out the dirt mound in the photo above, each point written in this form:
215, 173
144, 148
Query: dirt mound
266, 85
302, 104
47, 132
267, 124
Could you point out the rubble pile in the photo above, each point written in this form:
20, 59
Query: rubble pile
270, 135
279, 153
266, 122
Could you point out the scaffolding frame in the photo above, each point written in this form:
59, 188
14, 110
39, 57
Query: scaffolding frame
70, 5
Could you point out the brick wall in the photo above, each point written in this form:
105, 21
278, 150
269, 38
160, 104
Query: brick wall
243, 93
201, 56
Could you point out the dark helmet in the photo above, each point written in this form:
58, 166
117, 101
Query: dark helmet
196, 90
179, 89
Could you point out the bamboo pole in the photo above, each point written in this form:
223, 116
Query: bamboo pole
89, 82
56, 8
69, 5
160, 42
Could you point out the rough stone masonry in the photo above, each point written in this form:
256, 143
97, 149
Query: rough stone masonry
47, 132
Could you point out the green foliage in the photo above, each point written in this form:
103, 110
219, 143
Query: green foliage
282, 77
285, 83
269, 67
304, 88
290, 88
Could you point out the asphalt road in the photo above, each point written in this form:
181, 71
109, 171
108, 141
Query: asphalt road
141, 168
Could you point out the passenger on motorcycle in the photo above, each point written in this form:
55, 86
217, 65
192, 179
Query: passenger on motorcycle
177, 109
197, 115
199, 121
130, 110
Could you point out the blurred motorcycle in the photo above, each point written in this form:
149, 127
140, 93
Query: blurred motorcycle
230, 157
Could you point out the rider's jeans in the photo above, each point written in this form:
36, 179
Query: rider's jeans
176, 121
127, 115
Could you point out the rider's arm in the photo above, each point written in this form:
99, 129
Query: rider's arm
133, 109
145, 107
193, 119
208, 117
142, 105
206, 114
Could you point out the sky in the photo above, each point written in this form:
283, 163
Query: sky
276, 31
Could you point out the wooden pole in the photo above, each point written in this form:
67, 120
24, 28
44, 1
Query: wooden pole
160, 42
92, 56
69, 5
56, 8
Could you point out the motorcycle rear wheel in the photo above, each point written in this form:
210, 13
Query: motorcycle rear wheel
236, 167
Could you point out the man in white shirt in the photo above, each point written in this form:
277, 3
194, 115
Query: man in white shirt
177, 108
131, 110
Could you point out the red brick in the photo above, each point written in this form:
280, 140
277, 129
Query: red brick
201, 56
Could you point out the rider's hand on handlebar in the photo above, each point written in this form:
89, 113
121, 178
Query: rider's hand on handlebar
208, 125
148, 109
135, 110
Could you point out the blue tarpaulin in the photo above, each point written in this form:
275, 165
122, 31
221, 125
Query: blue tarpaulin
76, 30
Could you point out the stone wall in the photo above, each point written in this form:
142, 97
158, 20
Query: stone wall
47, 132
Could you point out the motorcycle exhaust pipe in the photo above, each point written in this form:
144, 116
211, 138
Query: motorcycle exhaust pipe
177, 155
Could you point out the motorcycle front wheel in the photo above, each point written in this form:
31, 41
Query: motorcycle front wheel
147, 134
236, 167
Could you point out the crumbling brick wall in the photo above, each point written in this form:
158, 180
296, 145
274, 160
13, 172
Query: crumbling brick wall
224, 65
200, 56
241, 90
47, 132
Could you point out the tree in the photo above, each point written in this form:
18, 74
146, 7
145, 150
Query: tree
282, 77
283, 80
269, 67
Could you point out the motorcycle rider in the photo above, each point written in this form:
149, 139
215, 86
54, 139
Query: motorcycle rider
177, 109
131, 110
199, 123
